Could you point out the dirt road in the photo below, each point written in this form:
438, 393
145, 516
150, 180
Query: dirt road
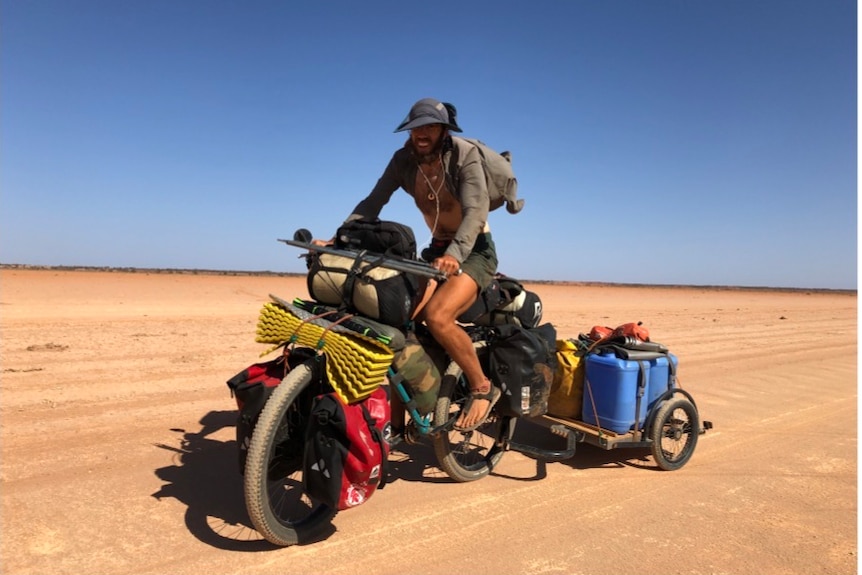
118, 451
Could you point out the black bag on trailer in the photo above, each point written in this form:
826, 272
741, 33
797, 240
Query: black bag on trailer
522, 363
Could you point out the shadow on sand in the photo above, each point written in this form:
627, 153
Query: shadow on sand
205, 477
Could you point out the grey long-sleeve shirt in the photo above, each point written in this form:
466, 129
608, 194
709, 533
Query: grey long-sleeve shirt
461, 159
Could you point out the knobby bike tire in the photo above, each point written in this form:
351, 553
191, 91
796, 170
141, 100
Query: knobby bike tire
467, 456
274, 495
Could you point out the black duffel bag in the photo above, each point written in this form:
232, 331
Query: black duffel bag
367, 288
504, 300
522, 363
378, 236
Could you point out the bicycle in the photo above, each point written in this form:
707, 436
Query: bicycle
284, 515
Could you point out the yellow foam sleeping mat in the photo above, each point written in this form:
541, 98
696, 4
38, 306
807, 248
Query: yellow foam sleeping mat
356, 365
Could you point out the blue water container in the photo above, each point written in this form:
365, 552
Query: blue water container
612, 386
659, 378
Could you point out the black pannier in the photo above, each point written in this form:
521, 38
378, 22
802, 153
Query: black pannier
522, 363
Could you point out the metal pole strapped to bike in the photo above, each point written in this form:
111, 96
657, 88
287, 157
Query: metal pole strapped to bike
415, 267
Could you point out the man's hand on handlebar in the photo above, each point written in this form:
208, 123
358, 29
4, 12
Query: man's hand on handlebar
323, 242
447, 264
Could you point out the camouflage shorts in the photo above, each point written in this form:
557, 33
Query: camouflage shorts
481, 264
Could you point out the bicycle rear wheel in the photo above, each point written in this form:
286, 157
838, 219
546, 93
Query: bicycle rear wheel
467, 456
277, 505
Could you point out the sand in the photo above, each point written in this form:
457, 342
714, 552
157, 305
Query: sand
118, 451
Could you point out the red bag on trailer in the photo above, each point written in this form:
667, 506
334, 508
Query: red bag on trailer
626, 330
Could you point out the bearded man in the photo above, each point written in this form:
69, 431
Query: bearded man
446, 178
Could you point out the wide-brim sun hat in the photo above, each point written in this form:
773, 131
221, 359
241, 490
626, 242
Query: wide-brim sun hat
430, 111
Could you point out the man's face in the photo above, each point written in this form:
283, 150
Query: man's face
426, 138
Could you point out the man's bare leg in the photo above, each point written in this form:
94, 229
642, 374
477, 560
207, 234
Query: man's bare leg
449, 301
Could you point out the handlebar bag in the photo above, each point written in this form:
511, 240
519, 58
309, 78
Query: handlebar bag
377, 236
381, 294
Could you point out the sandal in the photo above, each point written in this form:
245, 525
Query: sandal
492, 395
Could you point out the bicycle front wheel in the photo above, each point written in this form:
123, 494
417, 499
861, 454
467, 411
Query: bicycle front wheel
467, 456
277, 505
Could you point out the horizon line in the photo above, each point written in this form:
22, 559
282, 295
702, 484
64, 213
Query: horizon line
204, 271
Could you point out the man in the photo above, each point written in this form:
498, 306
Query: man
446, 178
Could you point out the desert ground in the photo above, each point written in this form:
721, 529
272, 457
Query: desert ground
119, 456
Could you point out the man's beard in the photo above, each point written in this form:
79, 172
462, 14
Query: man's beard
431, 156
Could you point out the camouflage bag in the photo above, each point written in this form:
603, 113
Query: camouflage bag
418, 366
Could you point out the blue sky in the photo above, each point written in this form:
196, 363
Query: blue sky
655, 141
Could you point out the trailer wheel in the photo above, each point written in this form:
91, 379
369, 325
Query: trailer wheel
674, 433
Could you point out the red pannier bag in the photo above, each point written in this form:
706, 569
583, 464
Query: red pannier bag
346, 449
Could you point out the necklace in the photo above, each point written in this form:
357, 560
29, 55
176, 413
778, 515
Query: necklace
433, 194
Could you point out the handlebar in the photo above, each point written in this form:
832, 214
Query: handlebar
302, 239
